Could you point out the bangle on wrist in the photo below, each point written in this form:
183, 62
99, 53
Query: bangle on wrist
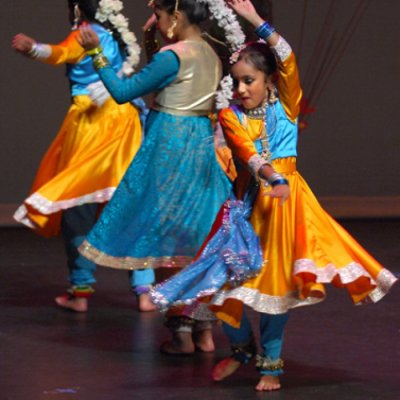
39, 50
277, 182
95, 51
276, 179
33, 51
100, 61
265, 30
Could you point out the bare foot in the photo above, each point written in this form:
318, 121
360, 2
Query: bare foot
268, 383
145, 304
78, 304
225, 368
203, 340
181, 344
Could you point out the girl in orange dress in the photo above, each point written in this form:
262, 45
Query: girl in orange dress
95, 145
302, 246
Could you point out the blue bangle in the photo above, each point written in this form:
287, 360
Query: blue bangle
265, 30
282, 181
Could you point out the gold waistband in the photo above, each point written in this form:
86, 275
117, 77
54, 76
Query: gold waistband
187, 113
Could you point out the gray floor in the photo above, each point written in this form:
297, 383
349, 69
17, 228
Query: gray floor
332, 351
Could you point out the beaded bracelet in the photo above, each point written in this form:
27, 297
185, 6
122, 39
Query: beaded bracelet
265, 30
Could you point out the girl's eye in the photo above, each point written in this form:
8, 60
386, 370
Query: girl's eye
248, 81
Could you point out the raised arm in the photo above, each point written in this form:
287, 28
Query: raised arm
288, 84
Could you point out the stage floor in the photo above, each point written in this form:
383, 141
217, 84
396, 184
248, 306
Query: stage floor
333, 350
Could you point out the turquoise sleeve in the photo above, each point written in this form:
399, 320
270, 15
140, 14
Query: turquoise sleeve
159, 73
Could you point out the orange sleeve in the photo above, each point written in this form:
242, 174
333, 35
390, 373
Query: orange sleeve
290, 92
236, 136
68, 51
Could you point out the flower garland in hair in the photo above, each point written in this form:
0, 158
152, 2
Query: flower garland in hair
110, 10
226, 19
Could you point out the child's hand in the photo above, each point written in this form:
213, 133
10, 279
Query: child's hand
150, 25
281, 192
245, 9
22, 43
88, 38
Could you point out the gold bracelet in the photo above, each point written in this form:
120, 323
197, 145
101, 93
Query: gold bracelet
100, 61
94, 52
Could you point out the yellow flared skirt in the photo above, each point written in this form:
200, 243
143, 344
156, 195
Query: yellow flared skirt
84, 164
303, 248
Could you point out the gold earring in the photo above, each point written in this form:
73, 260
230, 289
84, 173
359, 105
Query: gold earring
77, 17
272, 94
170, 32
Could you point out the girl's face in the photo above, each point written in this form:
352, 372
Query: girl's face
250, 84
164, 21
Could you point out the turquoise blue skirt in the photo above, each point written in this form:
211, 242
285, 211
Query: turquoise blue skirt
167, 201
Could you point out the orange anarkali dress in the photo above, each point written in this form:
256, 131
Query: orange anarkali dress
303, 247
93, 148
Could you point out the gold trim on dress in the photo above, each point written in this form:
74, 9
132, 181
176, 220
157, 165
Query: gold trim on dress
132, 263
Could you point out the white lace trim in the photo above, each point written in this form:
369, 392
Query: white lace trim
262, 302
255, 163
47, 207
282, 49
21, 215
281, 304
40, 51
348, 274
385, 281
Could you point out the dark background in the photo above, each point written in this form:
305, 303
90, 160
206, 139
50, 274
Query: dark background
349, 149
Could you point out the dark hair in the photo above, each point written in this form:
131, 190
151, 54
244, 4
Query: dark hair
196, 12
89, 10
87, 7
260, 56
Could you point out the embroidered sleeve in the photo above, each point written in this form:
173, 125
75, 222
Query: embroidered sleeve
239, 141
282, 50
290, 92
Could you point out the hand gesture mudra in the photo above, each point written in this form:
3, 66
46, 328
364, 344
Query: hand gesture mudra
88, 38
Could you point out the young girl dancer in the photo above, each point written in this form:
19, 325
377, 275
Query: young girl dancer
172, 191
92, 150
302, 246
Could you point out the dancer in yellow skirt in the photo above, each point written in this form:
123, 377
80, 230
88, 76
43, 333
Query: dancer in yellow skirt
301, 246
95, 145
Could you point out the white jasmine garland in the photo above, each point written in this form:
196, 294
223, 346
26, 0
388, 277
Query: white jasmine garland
119, 22
110, 10
111, 6
225, 94
226, 19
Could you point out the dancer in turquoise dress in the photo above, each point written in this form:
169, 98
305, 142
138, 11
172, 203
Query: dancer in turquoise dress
168, 199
